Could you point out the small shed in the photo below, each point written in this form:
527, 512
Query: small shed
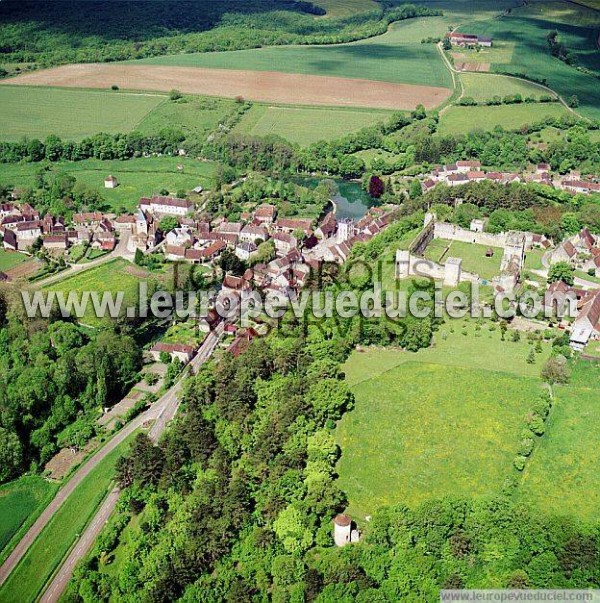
110, 182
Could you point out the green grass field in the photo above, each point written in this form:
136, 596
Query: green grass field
460, 120
525, 30
484, 86
424, 431
10, 259
346, 8
44, 555
473, 256
305, 125
71, 114
195, 116
114, 276
397, 56
141, 177
435, 423
562, 474
19, 501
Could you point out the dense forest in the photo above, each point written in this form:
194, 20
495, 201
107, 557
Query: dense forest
50, 33
236, 504
55, 380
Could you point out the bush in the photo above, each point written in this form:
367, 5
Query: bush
526, 447
555, 370
536, 424
520, 462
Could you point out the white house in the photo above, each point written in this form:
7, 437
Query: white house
170, 206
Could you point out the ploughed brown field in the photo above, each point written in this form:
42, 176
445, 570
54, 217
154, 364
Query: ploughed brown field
267, 86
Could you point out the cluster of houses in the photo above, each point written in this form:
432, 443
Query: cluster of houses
582, 251
463, 172
21, 227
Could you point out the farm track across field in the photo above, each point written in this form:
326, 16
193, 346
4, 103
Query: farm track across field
264, 86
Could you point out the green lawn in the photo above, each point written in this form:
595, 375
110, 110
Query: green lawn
305, 125
115, 276
71, 114
20, 501
10, 259
473, 256
533, 259
397, 56
195, 116
525, 30
443, 421
484, 86
561, 477
141, 177
42, 558
460, 120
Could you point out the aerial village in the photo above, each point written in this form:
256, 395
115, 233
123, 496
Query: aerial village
301, 244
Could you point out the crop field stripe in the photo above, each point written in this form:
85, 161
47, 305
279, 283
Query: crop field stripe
261, 86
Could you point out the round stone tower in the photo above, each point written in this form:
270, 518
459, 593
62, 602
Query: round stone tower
342, 529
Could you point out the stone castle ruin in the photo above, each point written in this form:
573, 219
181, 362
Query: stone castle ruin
412, 263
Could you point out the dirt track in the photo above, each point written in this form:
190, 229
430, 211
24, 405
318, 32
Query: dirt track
267, 86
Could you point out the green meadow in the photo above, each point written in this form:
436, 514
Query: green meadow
562, 474
443, 421
20, 501
346, 8
51, 546
195, 116
305, 125
10, 259
140, 177
473, 256
484, 86
72, 114
114, 276
396, 56
460, 120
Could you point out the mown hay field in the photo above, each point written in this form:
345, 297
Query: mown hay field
70, 114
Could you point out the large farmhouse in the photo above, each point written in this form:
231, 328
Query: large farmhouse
469, 40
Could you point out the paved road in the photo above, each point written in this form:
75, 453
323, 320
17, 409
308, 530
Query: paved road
161, 413
169, 406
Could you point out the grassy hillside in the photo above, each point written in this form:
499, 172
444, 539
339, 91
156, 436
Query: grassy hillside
72, 114
345, 8
305, 125
397, 56
522, 38
137, 178
483, 86
439, 422
565, 458
459, 120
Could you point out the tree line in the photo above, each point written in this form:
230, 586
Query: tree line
46, 34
